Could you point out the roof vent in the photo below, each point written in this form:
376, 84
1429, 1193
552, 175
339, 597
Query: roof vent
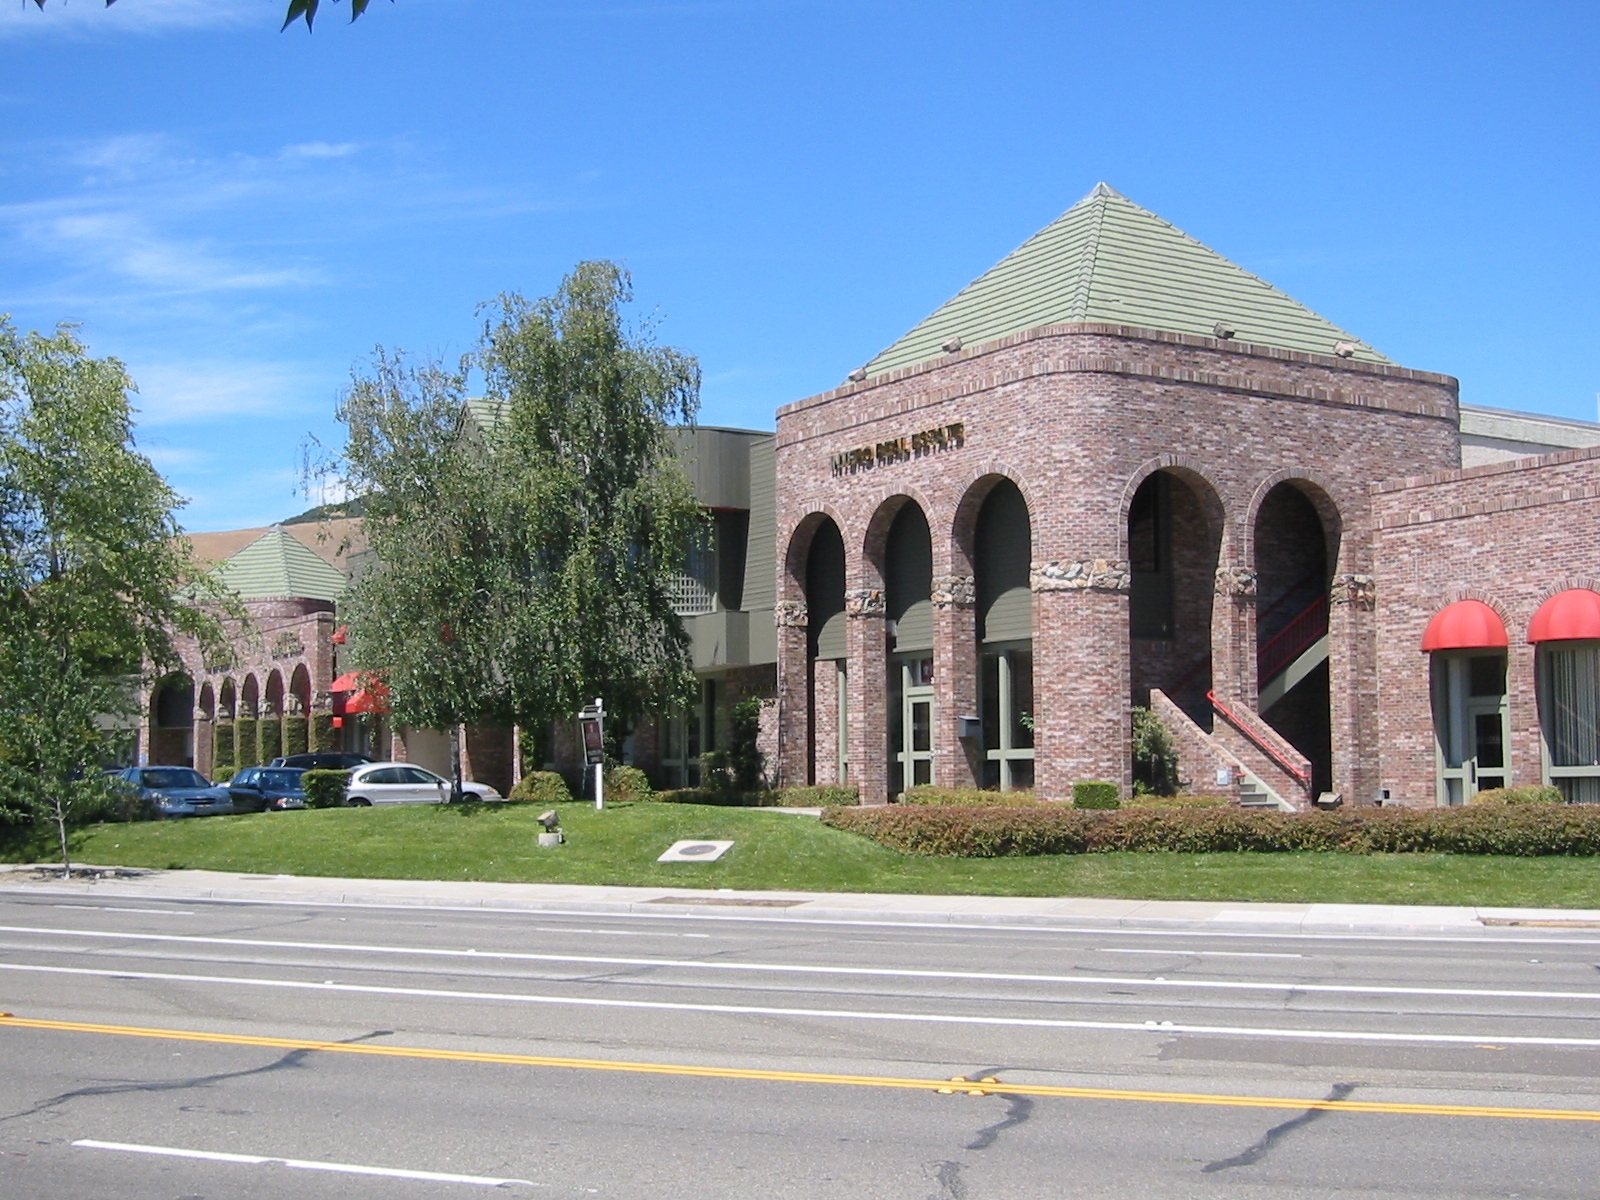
951, 346
857, 375
1344, 349
1223, 330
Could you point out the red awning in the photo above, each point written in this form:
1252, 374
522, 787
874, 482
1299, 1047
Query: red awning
348, 682
371, 700
1465, 625
1567, 616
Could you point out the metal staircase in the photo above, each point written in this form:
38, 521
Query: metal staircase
1293, 652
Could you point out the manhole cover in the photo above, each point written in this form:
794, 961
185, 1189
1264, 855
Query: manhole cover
695, 851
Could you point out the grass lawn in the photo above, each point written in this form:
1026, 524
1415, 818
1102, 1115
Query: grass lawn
775, 850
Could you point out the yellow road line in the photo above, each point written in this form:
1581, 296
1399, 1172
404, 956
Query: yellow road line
874, 1081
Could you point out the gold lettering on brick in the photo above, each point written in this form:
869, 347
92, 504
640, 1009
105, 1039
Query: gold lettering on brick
902, 449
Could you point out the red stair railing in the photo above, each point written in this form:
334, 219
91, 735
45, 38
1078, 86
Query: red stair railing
1266, 747
1293, 640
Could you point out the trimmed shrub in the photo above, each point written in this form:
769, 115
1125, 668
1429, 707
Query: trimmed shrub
222, 747
1528, 794
745, 760
541, 787
269, 739
1096, 793
244, 743
715, 772
1178, 802
323, 788
322, 739
941, 797
294, 735
723, 799
627, 783
1526, 830
223, 775
1155, 762
820, 796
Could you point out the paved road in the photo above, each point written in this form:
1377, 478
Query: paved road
1112, 1048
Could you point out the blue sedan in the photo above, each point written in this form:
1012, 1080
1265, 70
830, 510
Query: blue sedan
176, 792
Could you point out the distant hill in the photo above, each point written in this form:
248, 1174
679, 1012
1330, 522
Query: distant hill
329, 512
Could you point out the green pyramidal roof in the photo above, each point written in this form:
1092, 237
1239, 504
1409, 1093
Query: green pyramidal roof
1106, 260
277, 564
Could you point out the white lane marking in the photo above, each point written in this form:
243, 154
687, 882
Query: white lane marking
1194, 953
837, 1014
160, 912
301, 1164
596, 960
1486, 938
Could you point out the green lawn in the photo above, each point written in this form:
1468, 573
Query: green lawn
774, 850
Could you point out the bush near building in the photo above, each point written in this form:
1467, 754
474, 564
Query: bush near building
322, 739
269, 739
927, 795
541, 787
1525, 830
1096, 793
323, 788
294, 735
835, 795
245, 747
1532, 793
222, 758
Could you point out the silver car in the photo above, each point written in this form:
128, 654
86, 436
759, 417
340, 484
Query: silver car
404, 783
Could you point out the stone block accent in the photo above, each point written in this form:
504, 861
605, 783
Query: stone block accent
1100, 574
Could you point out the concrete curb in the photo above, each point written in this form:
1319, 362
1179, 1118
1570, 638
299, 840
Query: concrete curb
840, 907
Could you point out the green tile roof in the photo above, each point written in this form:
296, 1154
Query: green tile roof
1106, 260
278, 564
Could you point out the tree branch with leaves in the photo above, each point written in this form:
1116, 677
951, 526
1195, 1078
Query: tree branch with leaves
298, 10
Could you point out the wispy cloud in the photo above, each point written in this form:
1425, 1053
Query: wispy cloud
192, 392
91, 18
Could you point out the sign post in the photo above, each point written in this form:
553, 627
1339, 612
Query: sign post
591, 724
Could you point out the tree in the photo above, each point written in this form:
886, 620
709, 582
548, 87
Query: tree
296, 10
95, 579
524, 556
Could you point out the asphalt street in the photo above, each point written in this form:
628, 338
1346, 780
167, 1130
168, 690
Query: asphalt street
187, 1049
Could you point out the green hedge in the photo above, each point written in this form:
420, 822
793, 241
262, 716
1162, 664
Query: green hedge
541, 787
722, 798
269, 739
1096, 793
821, 795
244, 743
627, 783
949, 797
1528, 794
294, 735
1524, 830
1178, 802
324, 789
322, 732
222, 758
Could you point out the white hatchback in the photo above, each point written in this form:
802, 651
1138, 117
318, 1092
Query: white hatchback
404, 783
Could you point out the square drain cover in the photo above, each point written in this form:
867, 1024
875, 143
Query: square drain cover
695, 851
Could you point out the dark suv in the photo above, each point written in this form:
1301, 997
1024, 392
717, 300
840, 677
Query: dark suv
266, 789
324, 760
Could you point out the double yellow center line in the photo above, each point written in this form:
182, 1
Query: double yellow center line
814, 1077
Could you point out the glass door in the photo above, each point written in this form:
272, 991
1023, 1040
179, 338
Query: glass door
910, 723
1471, 721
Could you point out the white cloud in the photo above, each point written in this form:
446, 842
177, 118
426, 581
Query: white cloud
319, 150
91, 18
193, 391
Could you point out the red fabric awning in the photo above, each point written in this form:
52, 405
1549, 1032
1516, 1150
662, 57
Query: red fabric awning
370, 700
1568, 616
1465, 625
349, 682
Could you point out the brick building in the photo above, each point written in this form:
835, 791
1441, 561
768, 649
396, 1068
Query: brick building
1119, 470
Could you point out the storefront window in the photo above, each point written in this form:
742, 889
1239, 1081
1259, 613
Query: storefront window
1006, 704
1569, 710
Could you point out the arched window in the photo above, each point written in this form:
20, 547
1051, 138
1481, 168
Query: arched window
1003, 550
1566, 630
908, 591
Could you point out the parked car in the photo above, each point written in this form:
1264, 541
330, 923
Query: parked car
176, 792
404, 783
266, 789
323, 760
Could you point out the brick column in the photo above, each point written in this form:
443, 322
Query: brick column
794, 695
205, 745
1081, 679
865, 610
955, 679
824, 721
1353, 688
1233, 637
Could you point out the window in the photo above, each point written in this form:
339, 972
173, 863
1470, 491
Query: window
1150, 559
1006, 702
694, 591
1471, 722
1569, 711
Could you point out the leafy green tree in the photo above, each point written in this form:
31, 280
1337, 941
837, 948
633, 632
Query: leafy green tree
95, 579
525, 545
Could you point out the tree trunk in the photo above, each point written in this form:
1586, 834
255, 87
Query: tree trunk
61, 832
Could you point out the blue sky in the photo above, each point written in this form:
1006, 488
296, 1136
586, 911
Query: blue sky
242, 215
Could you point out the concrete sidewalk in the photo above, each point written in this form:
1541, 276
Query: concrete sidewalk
136, 883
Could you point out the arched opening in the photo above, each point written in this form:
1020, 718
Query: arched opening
299, 696
1566, 632
908, 595
274, 697
249, 697
827, 651
227, 700
172, 722
1296, 545
1174, 540
208, 702
1002, 558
